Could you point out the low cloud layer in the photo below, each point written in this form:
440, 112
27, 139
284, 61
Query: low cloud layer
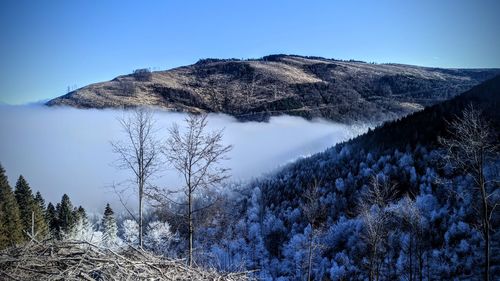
66, 150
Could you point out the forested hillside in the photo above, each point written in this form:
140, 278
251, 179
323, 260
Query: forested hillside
425, 126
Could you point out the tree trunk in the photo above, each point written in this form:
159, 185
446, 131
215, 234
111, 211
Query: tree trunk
32, 225
410, 254
486, 221
190, 225
428, 265
487, 247
141, 184
141, 190
486, 231
420, 261
377, 272
372, 263
310, 256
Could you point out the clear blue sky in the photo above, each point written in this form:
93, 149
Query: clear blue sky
46, 46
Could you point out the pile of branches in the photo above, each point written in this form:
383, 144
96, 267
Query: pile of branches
78, 260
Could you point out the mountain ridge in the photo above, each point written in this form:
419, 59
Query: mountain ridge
424, 127
310, 87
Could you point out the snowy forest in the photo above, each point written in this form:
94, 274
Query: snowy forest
413, 199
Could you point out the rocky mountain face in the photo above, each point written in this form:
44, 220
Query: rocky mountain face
255, 89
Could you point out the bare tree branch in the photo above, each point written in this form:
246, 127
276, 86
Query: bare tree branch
196, 155
140, 154
471, 145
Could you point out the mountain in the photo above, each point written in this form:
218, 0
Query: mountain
254, 89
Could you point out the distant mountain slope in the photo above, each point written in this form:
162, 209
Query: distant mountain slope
425, 126
345, 91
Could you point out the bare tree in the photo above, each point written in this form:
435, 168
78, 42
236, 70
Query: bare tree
375, 219
472, 143
139, 154
411, 218
196, 155
315, 213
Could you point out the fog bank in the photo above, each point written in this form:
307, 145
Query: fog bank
67, 150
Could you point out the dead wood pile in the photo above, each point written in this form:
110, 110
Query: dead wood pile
76, 260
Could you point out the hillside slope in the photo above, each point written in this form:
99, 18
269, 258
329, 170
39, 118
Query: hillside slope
345, 91
425, 216
425, 126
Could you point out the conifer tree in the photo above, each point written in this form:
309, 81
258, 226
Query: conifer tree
40, 201
65, 216
52, 220
82, 230
31, 214
10, 223
81, 218
43, 223
24, 199
80, 213
109, 227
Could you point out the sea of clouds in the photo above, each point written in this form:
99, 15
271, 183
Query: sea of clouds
67, 150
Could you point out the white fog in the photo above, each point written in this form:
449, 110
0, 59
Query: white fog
66, 150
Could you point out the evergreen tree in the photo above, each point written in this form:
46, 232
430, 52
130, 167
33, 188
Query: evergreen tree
52, 220
28, 208
109, 227
40, 201
65, 215
24, 199
80, 213
82, 230
81, 219
10, 222
43, 224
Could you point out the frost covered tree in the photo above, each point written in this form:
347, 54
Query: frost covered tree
82, 230
375, 218
10, 222
471, 145
109, 227
130, 232
314, 212
196, 155
158, 237
410, 218
139, 154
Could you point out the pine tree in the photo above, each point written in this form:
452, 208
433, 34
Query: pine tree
28, 208
41, 220
65, 216
24, 199
82, 230
109, 227
80, 213
81, 218
40, 201
10, 222
52, 220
